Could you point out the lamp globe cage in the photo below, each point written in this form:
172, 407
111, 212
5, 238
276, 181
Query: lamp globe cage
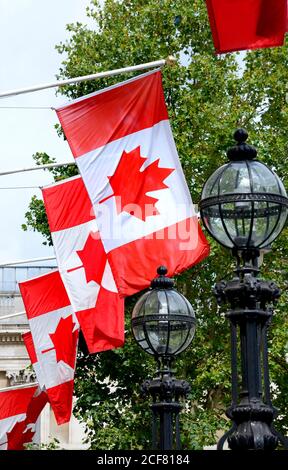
163, 321
244, 203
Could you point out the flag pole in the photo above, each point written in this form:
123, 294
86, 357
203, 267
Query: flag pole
11, 315
157, 63
25, 261
38, 167
15, 387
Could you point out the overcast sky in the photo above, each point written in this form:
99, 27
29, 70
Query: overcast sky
29, 30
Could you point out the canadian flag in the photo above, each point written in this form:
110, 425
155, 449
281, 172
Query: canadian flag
247, 24
30, 348
124, 148
54, 331
83, 264
20, 408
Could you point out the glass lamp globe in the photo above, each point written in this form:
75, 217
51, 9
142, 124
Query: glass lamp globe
163, 321
244, 203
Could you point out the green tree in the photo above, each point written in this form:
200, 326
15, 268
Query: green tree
208, 96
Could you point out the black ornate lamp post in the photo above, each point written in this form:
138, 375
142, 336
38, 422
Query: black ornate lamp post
163, 324
244, 207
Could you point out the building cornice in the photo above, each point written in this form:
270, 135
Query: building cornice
12, 336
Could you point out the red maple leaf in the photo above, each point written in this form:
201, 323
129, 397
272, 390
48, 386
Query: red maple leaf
65, 341
93, 257
131, 185
16, 438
